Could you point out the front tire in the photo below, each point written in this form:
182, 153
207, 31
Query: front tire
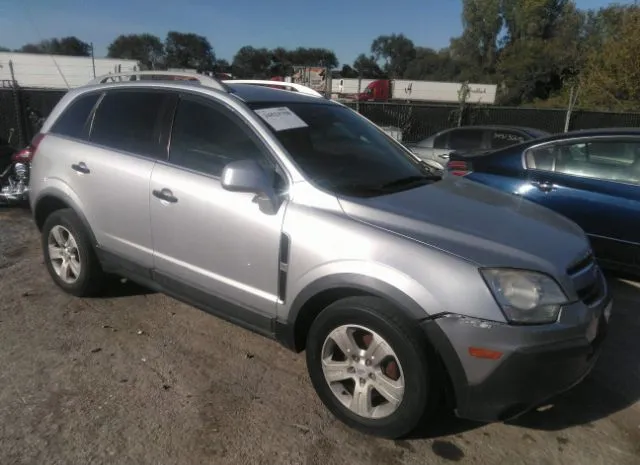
69, 254
372, 368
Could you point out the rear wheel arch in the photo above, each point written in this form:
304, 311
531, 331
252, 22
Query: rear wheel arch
47, 204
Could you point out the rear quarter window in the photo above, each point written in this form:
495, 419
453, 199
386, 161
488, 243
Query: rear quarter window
132, 121
441, 141
73, 120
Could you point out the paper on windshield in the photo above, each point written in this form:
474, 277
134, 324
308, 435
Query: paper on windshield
281, 118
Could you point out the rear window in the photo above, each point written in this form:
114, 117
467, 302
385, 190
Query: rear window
466, 139
500, 139
72, 122
130, 121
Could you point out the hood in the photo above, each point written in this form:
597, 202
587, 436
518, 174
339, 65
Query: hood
477, 223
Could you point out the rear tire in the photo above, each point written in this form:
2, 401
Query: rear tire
69, 255
408, 394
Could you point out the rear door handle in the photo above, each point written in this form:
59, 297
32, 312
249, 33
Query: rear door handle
81, 168
445, 156
166, 195
544, 186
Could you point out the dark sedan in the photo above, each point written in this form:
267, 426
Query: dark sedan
437, 148
591, 177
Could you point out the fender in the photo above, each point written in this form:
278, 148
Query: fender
61, 197
350, 282
346, 282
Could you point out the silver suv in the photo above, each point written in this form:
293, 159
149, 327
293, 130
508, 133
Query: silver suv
297, 218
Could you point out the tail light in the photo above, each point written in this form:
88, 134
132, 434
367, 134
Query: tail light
459, 168
26, 154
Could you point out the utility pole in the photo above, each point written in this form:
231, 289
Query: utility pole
359, 90
463, 95
93, 61
17, 107
573, 98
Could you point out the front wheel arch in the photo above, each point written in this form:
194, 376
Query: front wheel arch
321, 293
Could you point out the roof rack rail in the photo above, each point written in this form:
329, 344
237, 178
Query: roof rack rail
297, 87
204, 80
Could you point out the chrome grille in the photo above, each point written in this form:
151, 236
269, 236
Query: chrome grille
587, 279
581, 264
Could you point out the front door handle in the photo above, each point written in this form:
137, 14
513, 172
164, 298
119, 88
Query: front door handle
81, 168
166, 195
544, 186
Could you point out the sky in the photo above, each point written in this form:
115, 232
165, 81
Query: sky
345, 26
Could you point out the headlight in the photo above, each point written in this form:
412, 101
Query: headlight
526, 297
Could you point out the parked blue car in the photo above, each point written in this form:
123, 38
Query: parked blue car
590, 176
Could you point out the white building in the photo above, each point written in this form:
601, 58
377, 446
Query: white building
58, 71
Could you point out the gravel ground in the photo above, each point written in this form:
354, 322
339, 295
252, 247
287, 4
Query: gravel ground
138, 378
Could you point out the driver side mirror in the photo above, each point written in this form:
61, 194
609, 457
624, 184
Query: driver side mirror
249, 176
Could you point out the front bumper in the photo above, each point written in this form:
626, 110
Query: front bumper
537, 362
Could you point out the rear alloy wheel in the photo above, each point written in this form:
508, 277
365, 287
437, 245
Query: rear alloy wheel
64, 254
69, 255
371, 367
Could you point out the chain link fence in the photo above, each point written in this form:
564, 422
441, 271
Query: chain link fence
418, 121
22, 112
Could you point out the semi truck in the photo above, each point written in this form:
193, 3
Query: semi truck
349, 86
402, 90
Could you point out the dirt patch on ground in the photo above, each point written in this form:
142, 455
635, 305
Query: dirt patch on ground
140, 378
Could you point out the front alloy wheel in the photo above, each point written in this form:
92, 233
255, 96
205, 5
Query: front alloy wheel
363, 371
372, 367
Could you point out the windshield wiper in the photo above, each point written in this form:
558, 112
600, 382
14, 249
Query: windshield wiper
409, 180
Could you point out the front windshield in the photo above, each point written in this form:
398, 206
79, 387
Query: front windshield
341, 152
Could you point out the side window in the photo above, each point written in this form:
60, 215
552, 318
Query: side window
130, 121
542, 158
500, 139
466, 139
611, 160
72, 122
207, 137
441, 141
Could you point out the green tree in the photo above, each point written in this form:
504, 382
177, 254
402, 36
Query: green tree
603, 24
541, 48
367, 67
4, 49
64, 46
348, 72
532, 19
252, 63
477, 47
313, 57
611, 79
222, 66
396, 50
145, 48
188, 50
281, 62
431, 65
